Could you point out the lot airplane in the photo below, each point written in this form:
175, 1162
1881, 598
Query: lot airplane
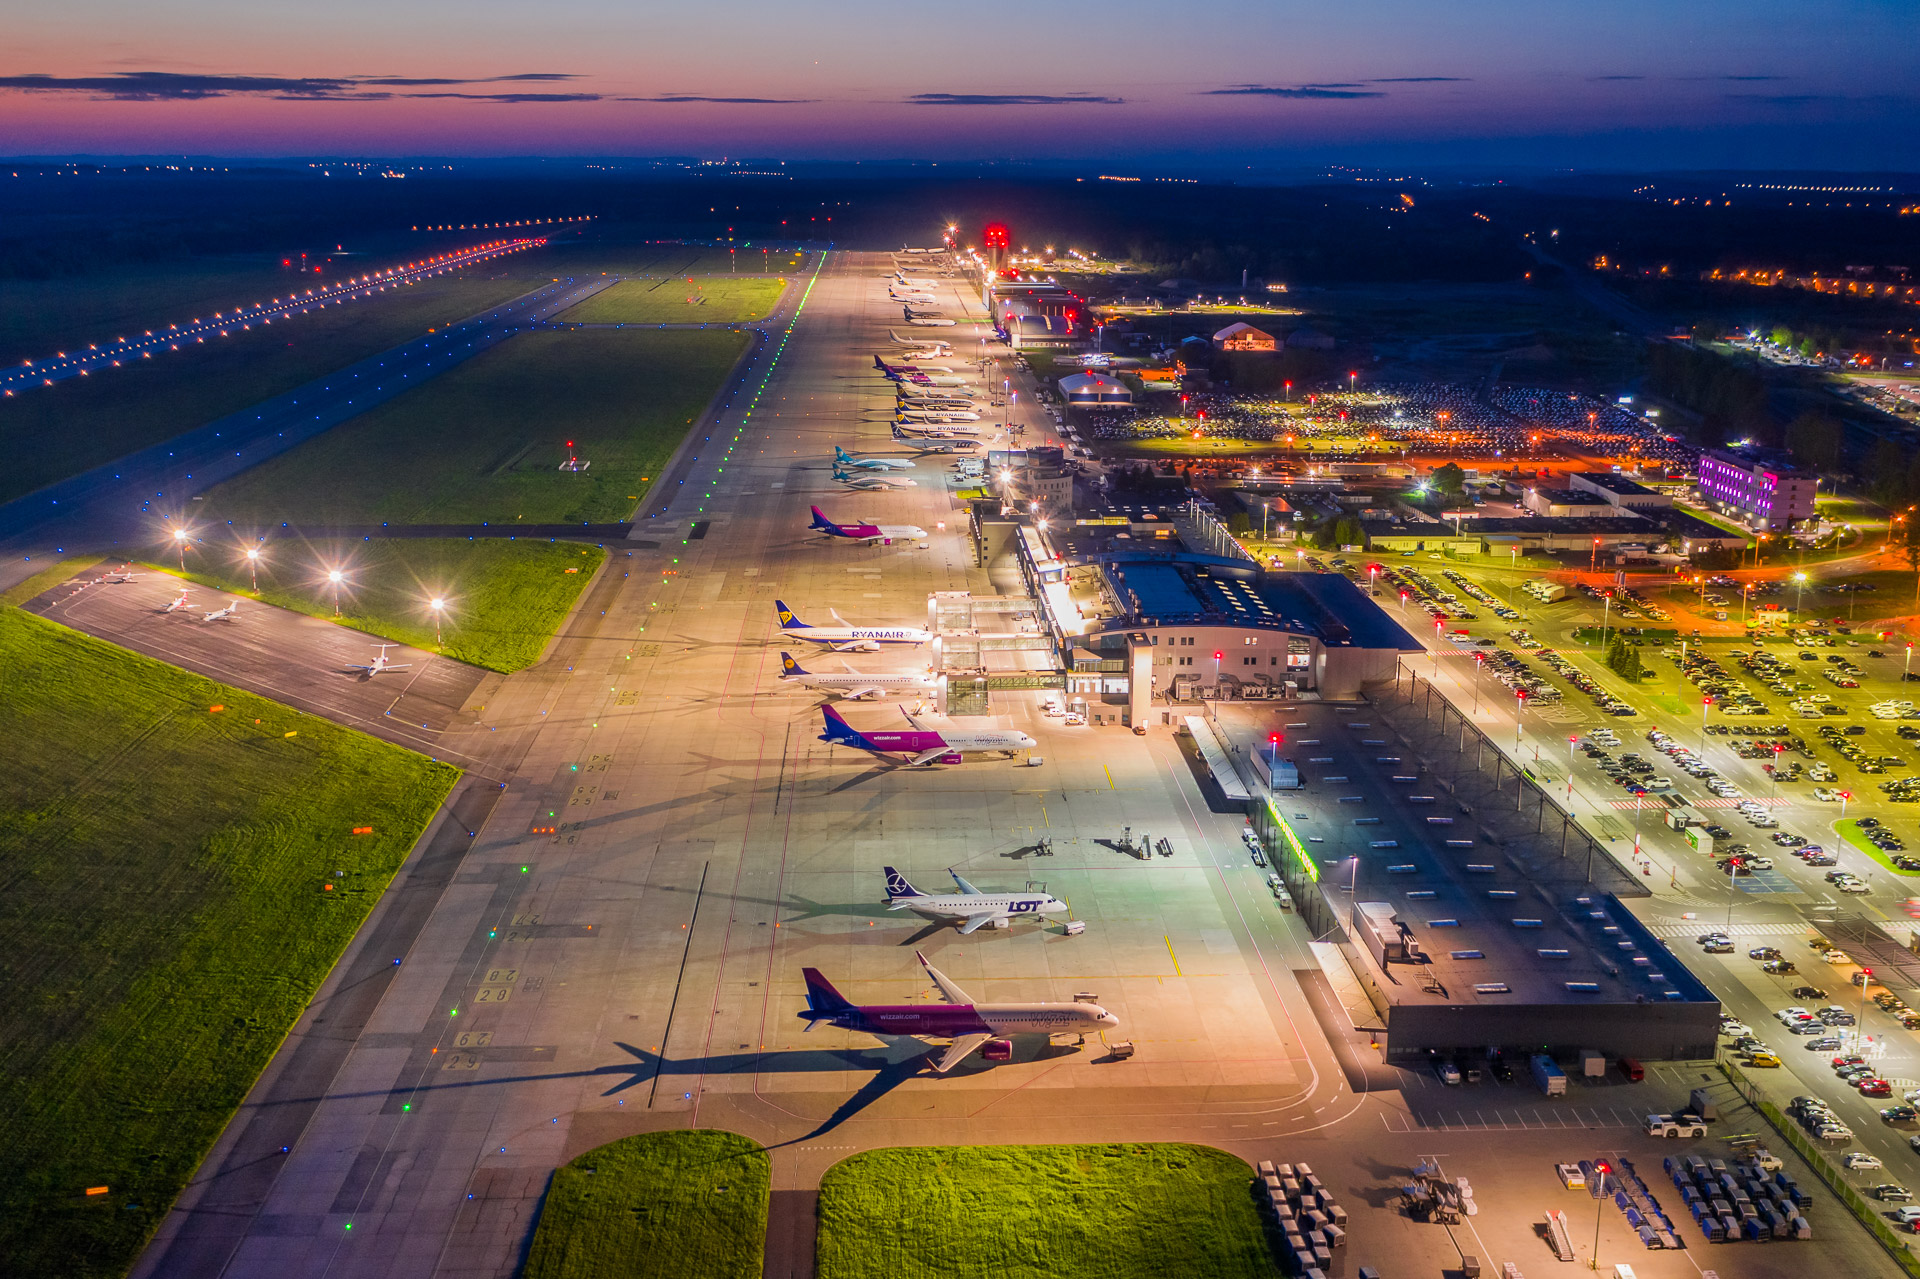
923, 746
118, 575
864, 530
943, 417
379, 663
935, 431
869, 482
967, 1024
843, 458
977, 909
851, 684
884, 367
844, 638
220, 614
914, 391
179, 602
923, 320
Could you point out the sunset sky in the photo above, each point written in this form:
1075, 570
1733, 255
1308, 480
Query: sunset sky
1707, 83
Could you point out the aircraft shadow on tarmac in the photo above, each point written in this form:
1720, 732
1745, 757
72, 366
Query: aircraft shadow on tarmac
897, 1060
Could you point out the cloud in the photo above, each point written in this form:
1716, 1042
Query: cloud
1616, 77
700, 97
1008, 99
170, 86
1420, 79
1784, 99
1297, 91
1753, 77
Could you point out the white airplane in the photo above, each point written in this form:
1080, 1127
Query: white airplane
113, 576
925, 321
179, 602
852, 684
844, 638
931, 443
843, 458
943, 417
939, 348
867, 482
379, 663
919, 425
912, 391
906, 281
914, 298
219, 614
978, 909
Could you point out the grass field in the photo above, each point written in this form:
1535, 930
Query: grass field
1013, 1212
594, 258
40, 317
680, 299
1849, 830
481, 442
665, 1204
163, 922
61, 430
504, 599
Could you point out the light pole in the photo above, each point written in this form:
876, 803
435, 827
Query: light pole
1606, 612
1800, 596
1520, 706
1845, 795
334, 576
180, 543
1478, 663
253, 567
1603, 1170
438, 606
1706, 704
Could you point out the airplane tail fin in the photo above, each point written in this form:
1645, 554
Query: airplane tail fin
840, 454
897, 885
788, 621
823, 1001
789, 667
841, 733
910, 719
821, 522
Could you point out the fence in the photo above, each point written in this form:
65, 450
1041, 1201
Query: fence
1868, 1212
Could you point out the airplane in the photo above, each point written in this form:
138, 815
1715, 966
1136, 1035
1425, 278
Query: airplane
219, 614
113, 576
968, 1024
914, 299
853, 685
914, 391
933, 404
179, 602
912, 282
870, 482
930, 443
924, 746
884, 367
978, 909
924, 321
934, 431
379, 663
844, 638
944, 417
843, 458
917, 377
865, 530
938, 347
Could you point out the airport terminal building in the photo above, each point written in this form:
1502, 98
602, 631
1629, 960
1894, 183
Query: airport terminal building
1138, 616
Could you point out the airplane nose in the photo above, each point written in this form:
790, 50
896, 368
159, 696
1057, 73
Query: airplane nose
1109, 1020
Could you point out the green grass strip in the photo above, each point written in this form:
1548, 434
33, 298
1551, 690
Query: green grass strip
663, 1204
1850, 831
1123, 1211
164, 919
504, 599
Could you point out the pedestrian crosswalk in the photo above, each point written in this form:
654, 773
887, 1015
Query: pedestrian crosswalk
1510, 1119
1695, 927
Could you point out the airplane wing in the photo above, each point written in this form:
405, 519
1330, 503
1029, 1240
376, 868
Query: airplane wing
958, 1051
400, 666
954, 994
976, 922
857, 694
927, 757
910, 719
965, 887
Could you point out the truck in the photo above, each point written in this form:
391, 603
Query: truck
1552, 1079
1675, 1126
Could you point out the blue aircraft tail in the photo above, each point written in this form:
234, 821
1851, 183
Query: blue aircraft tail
897, 885
841, 733
789, 667
788, 622
823, 1002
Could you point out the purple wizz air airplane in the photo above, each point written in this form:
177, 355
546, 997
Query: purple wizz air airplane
968, 1024
868, 531
925, 745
